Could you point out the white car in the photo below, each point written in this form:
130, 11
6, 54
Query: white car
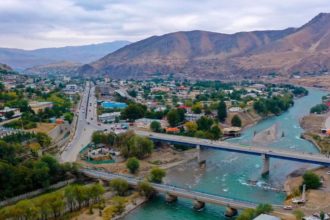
328, 172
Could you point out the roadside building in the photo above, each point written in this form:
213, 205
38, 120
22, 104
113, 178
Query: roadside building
71, 89
16, 112
232, 131
172, 130
109, 117
145, 122
235, 109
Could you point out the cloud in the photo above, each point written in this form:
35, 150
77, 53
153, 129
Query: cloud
35, 24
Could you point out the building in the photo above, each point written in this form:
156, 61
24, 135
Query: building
16, 112
109, 117
192, 117
40, 106
266, 217
71, 89
114, 105
235, 109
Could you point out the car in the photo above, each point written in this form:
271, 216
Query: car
328, 172
88, 123
99, 124
287, 207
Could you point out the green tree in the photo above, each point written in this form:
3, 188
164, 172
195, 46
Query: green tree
70, 196
145, 189
68, 116
311, 180
157, 174
204, 123
132, 164
155, 126
197, 108
119, 204
136, 146
173, 118
215, 132
222, 111
134, 111
236, 121
120, 186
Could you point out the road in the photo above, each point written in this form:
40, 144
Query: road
86, 125
226, 146
177, 191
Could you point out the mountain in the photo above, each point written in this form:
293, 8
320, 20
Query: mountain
5, 67
22, 59
65, 67
202, 54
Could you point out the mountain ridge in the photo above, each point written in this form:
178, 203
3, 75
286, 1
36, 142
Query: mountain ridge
200, 54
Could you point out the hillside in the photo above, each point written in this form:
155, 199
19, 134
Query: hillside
201, 54
64, 67
22, 59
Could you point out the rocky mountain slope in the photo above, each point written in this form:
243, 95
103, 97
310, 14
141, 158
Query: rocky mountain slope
22, 59
201, 54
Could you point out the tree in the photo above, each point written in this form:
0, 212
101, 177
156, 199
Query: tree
157, 174
155, 126
311, 180
263, 209
68, 116
215, 132
236, 121
222, 111
204, 123
132, 164
136, 146
247, 214
145, 189
119, 204
173, 118
120, 186
197, 108
191, 126
69, 194
298, 214
134, 111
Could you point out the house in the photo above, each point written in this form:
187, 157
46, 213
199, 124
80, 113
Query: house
172, 130
266, 217
71, 89
232, 131
235, 109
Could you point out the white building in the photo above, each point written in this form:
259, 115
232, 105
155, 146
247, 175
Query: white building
266, 217
109, 117
192, 117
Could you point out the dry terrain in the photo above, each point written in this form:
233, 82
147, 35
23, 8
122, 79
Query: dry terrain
44, 127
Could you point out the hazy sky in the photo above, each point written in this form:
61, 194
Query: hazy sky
52, 23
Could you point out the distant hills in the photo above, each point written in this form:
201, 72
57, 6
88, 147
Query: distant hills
22, 59
202, 54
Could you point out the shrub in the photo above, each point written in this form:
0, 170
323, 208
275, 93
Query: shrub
157, 174
132, 164
120, 186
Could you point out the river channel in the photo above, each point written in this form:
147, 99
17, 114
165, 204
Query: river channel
236, 175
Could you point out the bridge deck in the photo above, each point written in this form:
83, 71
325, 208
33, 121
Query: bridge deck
252, 150
176, 191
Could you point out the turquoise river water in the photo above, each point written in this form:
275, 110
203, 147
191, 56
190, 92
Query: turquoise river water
236, 175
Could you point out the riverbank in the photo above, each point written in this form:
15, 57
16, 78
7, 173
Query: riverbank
316, 200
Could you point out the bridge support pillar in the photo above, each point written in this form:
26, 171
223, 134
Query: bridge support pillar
201, 163
170, 198
230, 212
198, 205
265, 168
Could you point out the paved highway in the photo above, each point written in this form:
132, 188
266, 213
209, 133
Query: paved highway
86, 125
253, 150
177, 191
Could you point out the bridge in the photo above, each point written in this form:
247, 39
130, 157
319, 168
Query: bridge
264, 152
173, 192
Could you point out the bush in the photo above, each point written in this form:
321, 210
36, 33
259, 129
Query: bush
264, 209
120, 186
157, 174
145, 189
298, 214
155, 126
311, 180
132, 164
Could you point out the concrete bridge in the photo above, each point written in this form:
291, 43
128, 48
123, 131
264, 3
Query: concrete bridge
265, 152
173, 192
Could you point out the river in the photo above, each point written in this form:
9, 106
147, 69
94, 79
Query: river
236, 175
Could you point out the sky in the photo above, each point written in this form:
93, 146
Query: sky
30, 24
